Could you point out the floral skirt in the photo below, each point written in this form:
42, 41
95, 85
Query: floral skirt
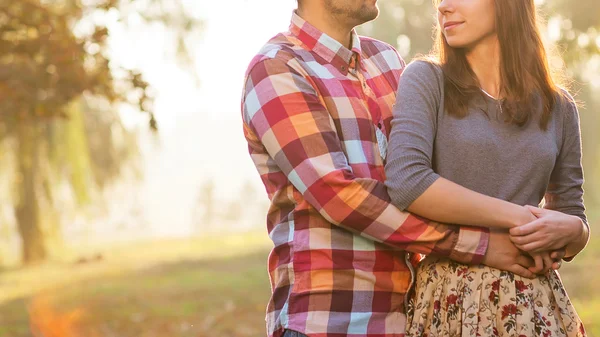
452, 299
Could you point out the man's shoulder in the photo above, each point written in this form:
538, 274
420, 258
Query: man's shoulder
375, 45
382, 52
279, 47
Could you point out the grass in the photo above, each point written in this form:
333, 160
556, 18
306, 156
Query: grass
582, 281
194, 288
189, 288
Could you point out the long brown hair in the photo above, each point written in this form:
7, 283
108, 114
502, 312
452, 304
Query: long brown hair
524, 68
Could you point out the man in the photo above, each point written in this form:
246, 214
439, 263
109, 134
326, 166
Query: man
317, 109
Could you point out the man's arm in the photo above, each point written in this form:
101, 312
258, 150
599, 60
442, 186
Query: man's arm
282, 109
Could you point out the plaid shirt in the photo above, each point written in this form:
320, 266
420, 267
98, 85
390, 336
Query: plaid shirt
311, 111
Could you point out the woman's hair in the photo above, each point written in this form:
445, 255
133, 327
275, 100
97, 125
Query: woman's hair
524, 68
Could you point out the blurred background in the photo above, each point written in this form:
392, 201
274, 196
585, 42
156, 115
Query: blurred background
130, 206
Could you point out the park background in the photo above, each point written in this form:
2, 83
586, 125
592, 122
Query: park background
130, 206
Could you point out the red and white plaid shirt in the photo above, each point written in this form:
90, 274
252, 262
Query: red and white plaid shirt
311, 110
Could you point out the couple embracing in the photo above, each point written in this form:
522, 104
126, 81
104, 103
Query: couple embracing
406, 200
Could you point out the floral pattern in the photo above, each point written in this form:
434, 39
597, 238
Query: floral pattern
451, 299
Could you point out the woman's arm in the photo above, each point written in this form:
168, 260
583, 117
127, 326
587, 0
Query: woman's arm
456, 204
562, 222
411, 181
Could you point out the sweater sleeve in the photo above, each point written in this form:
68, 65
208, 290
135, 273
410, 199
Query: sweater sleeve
409, 169
565, 189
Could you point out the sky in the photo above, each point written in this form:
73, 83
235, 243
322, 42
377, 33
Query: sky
200, 135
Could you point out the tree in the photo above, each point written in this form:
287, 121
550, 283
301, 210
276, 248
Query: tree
206, 199
50, 65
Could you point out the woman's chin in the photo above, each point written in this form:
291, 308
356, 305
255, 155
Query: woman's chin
456, 43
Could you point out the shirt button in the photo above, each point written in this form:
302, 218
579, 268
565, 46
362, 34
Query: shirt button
343, 68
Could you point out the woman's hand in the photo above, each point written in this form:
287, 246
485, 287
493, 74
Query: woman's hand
551, 231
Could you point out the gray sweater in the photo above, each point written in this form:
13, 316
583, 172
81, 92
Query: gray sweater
481, 152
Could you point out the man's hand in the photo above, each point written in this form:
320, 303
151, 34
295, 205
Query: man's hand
502, 254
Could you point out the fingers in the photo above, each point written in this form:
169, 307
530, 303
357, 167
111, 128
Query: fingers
558, 254
527, 229
525, 239
535, 210
539, 264
548, 262
556, 265
533, 247
519, 270
532, 243
525, 261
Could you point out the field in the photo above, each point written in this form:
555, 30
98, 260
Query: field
190, 288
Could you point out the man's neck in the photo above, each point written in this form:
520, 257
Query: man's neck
484, 59
328, 24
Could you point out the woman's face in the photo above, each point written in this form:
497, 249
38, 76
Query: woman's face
465, 23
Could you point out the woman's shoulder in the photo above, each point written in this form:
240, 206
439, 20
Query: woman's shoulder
424, 73
566, 104
424, 67
565, 112
565, 99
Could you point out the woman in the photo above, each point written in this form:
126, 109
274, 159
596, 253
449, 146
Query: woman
485, 114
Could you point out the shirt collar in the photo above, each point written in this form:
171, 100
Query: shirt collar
324, 45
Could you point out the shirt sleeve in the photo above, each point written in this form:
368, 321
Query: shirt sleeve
282, 108
565, 189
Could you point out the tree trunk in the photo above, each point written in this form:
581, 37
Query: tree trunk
26, 209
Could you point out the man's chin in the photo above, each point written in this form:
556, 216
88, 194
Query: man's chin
367, 15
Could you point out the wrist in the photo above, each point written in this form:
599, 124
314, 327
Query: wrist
521, 217
580, 230
579, 240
